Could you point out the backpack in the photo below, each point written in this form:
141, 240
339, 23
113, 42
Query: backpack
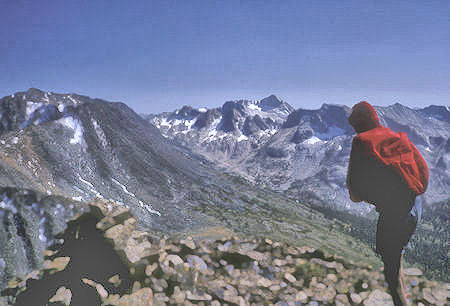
398, 153
387, 170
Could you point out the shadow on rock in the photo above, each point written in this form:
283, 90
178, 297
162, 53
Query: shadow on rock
91, 257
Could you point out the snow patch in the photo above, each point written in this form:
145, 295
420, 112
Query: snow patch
202, 110
8, 204
92, 189
84, 181
78, 198
142, 204
61, 107
164, 122
189, 123
100, 133
42, 236
123, 188
241, 138
73, 100
254, 107
149, 208
15, 140
212, 133
31, 108
312, 140
76, 126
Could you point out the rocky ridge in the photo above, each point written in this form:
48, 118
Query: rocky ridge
225, 271
303, 152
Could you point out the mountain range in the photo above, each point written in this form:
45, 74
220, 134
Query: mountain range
60, 151
302, 152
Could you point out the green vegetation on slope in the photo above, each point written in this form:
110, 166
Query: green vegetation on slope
429, 246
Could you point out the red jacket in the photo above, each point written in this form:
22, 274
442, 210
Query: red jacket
384, 166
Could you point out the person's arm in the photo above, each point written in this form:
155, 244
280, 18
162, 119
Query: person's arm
353, 164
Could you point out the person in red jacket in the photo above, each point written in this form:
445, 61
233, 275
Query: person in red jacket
386, 169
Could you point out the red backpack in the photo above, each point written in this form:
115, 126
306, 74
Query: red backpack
397, 152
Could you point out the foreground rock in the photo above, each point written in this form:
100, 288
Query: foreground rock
230, 271
62, 295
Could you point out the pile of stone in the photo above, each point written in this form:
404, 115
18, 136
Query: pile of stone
237, 272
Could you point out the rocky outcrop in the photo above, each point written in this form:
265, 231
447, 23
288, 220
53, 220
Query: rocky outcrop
186, 271
30, 222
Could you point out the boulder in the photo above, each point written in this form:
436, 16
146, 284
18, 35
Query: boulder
378, 297
356, 298
342, 300
56, 265
115, 280
198, 296
63, 295
142, 297
412, 272
197, 263
178, 295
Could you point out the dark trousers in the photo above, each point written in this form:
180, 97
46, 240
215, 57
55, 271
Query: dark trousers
393, 234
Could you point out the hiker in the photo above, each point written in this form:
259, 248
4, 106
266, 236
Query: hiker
385, 169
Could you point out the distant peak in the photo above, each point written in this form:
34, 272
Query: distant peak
327, 106
397, 104
270, 102
272, 98
35, 92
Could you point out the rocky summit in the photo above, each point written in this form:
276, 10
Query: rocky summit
133, 267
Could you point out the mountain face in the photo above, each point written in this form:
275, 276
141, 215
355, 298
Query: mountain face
436, 111
68, 149
84, 148
303, 152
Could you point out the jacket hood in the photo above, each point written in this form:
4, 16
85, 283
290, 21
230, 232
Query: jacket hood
363, 117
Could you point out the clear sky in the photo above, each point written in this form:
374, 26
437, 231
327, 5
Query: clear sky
159, 55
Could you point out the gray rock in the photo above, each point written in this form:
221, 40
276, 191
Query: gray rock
412, 272
355, 298
342, 300
198, 296
142, 297
196, 262
378, 297
62, 295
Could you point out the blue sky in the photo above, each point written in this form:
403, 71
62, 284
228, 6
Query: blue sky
159, 55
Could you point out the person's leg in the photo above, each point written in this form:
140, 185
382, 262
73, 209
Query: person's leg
392, 274
402, 277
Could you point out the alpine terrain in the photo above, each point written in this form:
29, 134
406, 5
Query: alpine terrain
90, 189
303, 152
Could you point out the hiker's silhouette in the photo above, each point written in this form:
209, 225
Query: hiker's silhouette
386, 170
